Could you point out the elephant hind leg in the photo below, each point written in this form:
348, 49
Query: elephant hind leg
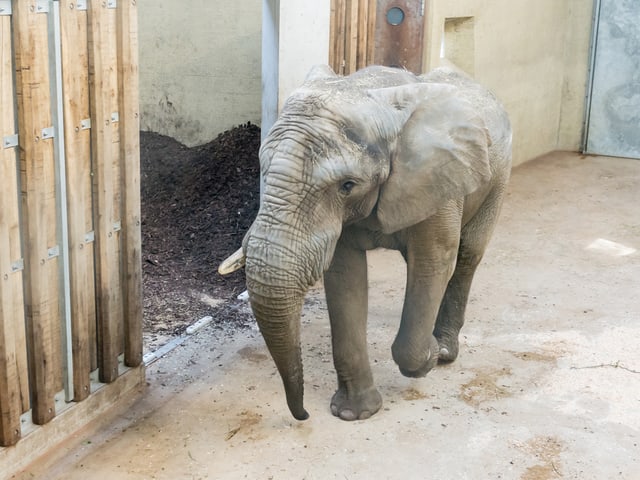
474, 238
452, 309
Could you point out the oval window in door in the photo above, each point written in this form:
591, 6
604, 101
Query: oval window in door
395, 16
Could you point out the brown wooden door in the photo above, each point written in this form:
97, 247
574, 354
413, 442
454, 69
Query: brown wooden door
383, 32
399, 34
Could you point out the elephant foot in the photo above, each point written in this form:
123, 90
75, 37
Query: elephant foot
448, 349
416, 366
355, 406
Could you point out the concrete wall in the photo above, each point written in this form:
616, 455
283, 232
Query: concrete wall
304, 41
295, 37
533, 55
200, 66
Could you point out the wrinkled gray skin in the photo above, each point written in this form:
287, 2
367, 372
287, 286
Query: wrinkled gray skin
381, 158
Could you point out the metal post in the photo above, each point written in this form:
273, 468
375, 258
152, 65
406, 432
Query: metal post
55, 73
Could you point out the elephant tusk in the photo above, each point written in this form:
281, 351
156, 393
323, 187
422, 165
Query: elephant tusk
235, 262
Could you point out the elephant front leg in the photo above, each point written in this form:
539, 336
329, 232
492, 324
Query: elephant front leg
346, 289
431, 258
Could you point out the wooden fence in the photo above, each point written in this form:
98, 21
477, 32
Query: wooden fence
70, 271
382, 32
353, 24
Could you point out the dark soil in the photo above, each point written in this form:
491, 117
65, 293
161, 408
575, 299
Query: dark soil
197, 204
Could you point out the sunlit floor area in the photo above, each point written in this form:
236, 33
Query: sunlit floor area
547, 383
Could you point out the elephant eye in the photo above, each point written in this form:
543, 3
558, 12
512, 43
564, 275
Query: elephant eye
347, 187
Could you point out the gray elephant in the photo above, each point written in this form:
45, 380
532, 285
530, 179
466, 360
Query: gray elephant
378, 159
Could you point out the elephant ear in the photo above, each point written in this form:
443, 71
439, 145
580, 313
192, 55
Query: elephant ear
441, 152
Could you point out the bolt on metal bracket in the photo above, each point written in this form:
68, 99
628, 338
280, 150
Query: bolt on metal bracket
89, 237
17, 265
53, 252
10, 141
42, 6
115, 117
85, 124
81, 4
5, 7
48, 132
117, 226
112, 4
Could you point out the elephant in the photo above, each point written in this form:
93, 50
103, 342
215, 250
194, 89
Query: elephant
382, 158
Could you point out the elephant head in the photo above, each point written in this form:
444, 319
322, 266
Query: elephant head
380, 148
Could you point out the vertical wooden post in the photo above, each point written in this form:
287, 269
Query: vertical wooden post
103, 78
351, 36
371, 29
77, 135
339, 39
333, 31
363, 37
130, 167
38, 193
14, 383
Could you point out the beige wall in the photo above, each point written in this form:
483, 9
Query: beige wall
200, 66
304, 41
533, 55
295, 37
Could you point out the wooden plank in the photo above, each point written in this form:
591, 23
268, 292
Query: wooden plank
46, 445
340, 36
38, 208
371, 30
75, 79
14, 384
363, 23
130, 167
351, 36
104, 131
333, 27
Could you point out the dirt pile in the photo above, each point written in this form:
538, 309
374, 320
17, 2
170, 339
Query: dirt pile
197, 204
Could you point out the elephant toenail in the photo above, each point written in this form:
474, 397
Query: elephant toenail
444, 351
348, 414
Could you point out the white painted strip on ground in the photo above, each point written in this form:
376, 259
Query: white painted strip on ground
151, 357
191, 329
610, 248
244, 296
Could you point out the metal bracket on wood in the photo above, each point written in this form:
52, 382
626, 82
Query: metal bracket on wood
17, 265
115, 117
5, 7
10, 141
81, 4
85, 124
112, 4
53, 252
89, 237
117, 226
48, 133
42, 6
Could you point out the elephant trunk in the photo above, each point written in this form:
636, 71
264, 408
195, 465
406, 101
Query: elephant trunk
277, 284
281, 263
279, 322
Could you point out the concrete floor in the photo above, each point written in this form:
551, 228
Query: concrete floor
547, 384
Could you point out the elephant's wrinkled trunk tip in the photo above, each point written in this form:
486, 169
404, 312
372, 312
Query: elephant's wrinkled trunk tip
235, 262
298, 412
